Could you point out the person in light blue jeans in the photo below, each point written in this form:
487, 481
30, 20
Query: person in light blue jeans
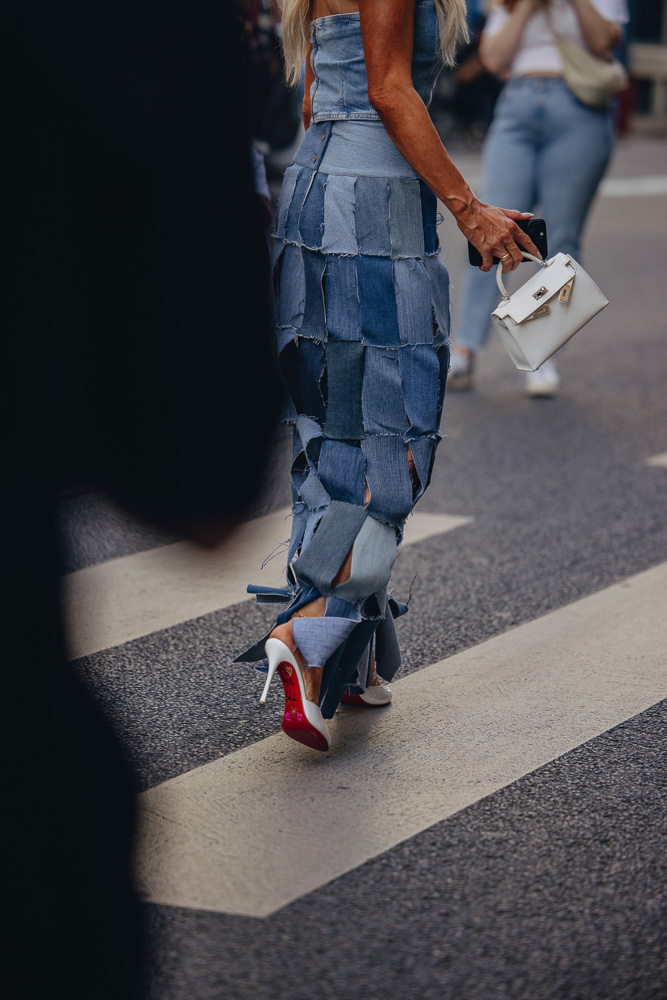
544, 149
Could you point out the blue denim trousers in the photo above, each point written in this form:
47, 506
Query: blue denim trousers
545, 151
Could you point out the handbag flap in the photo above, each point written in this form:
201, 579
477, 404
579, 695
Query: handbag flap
538, 290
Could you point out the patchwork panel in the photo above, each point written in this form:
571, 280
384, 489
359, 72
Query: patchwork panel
302, 365
414, 308
285, 200
372, 216
345, 374
423, 456
339, 222
343, 313
420, 376
373, 556
388, 477
429, 219
313, 324
292, 288
311, 218
325, 554
382, 396
341, 469
443, 363
304, 180
379, 322
439, 278
406, 229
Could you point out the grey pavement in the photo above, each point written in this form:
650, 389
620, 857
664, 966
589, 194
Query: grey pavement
553, 886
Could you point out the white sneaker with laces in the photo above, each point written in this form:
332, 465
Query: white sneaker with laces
545, 381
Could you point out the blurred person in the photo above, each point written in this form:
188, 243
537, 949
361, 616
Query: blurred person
362, 331
544, 147
137, 358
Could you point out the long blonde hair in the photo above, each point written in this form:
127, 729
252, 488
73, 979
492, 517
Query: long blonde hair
296, 32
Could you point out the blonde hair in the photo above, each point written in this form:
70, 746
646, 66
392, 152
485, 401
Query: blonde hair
296, 32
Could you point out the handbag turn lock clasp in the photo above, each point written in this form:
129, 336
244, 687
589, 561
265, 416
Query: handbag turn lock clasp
540, 292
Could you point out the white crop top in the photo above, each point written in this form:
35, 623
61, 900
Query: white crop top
538, 52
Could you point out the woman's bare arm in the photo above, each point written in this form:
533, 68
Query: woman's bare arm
600, 35
497, 51
387, 28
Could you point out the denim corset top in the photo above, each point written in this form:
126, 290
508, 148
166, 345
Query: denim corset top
340, 88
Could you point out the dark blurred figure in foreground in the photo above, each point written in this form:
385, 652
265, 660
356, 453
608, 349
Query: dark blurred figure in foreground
137, 358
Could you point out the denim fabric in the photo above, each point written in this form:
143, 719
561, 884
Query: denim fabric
406, 228
373, 556
313, 324
382, 396
342, 299
387, 650
439, 278
286, 194
301, 189
318, 638
420, 377
311, 217
414, 308
360, 147
313, 147
302, 366
379, 322
430, 215
339, 235
292, 288
423, 456
372, 216
388, 477
545, 152
341, 469
341, 668
338, 56
345, 374
338, 607
333, 539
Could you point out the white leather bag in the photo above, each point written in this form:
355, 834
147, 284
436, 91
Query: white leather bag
542, 315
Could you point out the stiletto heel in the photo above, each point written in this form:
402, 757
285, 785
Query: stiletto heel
302, 720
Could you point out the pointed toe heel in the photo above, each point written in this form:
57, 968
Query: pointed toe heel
302, 720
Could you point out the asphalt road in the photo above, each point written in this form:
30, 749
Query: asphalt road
553, 886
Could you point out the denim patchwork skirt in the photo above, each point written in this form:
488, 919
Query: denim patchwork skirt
362, 327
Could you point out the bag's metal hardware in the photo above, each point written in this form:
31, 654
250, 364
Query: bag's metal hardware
542, 311
540, 292
565, 292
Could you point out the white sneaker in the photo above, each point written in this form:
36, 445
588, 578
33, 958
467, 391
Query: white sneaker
460, 369
545, 381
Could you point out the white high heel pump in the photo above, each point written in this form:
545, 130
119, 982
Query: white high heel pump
302, 720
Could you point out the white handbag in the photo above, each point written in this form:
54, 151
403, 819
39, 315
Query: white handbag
542, 315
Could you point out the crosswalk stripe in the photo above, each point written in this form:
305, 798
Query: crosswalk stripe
251, 832
633, 187
130, 597
660, 460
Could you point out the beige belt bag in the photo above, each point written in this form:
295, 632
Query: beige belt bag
542, 315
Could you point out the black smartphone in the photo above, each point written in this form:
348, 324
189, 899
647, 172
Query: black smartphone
535, 228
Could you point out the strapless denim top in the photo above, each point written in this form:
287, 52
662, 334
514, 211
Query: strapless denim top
340, 87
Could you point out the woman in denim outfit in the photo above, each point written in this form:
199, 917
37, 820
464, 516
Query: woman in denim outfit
544, 146
362, 332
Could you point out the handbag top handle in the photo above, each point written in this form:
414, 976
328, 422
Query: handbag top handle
499, 271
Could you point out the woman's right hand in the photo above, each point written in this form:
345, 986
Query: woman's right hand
495, 233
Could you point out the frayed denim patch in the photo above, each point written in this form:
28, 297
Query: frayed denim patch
414, 307
302, 366
388, 477
382, 396
423, 456
372, 216
342, 299
324, 556
318, 638
345, 374
430, 219
313, 324
406, 229
339, 225
373, 556
439, 278
285, 201
387, 649
311, 218
291, 288
379, 323
420, 377
341, 469
301, 188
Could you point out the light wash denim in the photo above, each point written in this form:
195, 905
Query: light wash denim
545, 151
363, 147
340, 87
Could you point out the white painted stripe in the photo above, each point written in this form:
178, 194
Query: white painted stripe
634, 187
127, 598
658, 460
257, 829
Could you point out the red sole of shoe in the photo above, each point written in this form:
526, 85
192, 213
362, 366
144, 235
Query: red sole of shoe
355, 699
295, 724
